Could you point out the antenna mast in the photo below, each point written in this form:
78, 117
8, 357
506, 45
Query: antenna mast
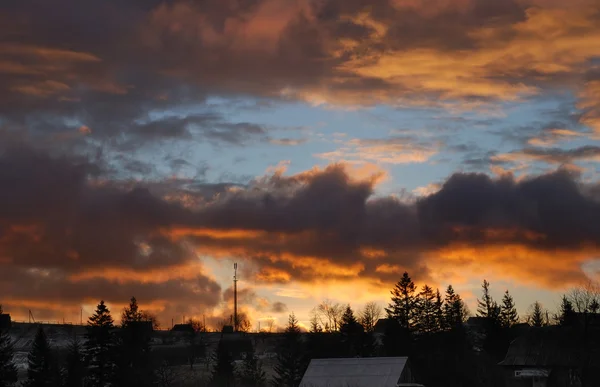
235, 317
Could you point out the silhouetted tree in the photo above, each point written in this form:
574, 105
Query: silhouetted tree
426, 316
594, 306
197, 325
454, 309
402, 307
251, 373
351, 332
315, 325
8, 369
149, 316
566, 312
331, 313
508, 312
100, 348
486, 306
369, 316
290, 363
42, 370
536, 318
439, 311
223, 373
75, 367
131, 314
134, 366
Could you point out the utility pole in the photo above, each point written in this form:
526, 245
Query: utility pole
81, 316
235, 316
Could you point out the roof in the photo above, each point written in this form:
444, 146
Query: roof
354, 372
182, 328
552, 346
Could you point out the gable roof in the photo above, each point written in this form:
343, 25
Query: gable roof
354, 372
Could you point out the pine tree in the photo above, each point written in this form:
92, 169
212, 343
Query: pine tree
100, 347
402, 307
508, 312
223, 374
8, 369
252, 373
134, 363
75, 367
41, 370
426, 315
537, 315
453, 309
290, 366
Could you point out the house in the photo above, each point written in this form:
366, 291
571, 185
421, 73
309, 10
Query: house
552, 357
5, 321
183, 328
359, 372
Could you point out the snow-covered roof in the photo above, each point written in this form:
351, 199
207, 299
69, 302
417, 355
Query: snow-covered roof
354, 372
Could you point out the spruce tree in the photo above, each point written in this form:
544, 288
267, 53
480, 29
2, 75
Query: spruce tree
100, 348
402, 307
252, 373
566, 314
537, 315
426, 315
439, 313
131, 314
223, 374
290, 365
453, 309
508, 312
40, 371
133, 362
486, 306
352, 332
75, 367
8, 369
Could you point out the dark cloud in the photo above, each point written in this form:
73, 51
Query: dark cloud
60, 222
279, 307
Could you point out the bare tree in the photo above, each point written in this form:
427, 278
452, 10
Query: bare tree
149, 316
585, 298
331, 314
369, 316
165, 375
197, 325
244, 323
269, 322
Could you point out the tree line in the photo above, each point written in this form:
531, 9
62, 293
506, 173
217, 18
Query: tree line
423, 324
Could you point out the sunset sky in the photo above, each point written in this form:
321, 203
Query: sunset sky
325, 145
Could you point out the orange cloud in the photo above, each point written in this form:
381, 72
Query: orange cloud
556, 269
387, 151
122, 275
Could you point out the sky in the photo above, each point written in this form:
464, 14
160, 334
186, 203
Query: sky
326, 146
